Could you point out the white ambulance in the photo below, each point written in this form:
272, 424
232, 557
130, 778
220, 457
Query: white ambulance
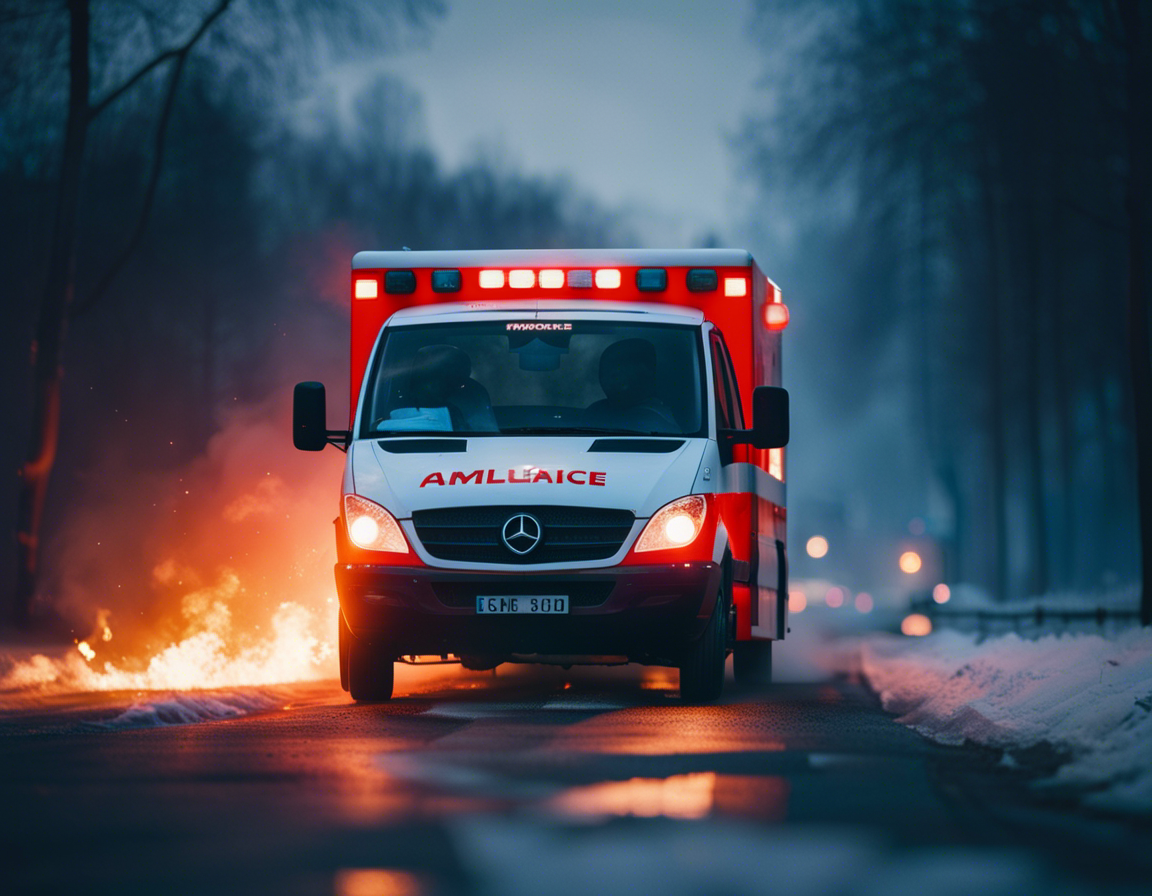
560, 456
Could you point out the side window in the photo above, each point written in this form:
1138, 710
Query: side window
729, 413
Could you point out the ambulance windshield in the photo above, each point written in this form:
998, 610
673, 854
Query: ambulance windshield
538, 378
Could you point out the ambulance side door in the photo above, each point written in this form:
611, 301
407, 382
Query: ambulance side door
736, 497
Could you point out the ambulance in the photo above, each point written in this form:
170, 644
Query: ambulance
560, 456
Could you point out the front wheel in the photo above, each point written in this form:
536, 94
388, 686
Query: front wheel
702, 669
752, 663
369, 669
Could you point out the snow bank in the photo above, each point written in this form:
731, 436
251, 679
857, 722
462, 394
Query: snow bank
182, 709
1087, 696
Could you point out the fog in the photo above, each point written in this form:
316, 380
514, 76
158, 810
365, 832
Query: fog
953, 250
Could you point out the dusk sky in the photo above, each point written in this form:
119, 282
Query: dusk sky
635, 100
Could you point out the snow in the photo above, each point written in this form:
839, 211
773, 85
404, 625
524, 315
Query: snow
1087, 696
182, 709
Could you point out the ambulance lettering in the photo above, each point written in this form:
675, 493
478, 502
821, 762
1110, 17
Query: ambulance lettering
527, 474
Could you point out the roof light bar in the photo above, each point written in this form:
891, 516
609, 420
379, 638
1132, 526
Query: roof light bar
447, 281
580, 279
491, 279
735, 286
651, 279
701, 280
366, 288
608, 278
400, 282
521, 279
551, 279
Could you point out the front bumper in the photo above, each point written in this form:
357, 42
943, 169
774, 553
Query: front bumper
647, 613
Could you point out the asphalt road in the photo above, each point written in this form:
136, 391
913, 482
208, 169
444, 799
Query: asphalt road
529, 781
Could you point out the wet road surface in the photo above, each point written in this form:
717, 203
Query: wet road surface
527, 781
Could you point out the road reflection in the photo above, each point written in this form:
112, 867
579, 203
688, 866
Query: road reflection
696, 795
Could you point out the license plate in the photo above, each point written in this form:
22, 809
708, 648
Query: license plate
541, 604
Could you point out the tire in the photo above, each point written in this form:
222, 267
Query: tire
702, 669
752, 663
371, 672
345, 638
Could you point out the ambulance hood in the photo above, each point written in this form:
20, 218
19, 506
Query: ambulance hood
581, 471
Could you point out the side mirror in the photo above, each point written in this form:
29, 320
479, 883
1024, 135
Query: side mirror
769, 417
309, 417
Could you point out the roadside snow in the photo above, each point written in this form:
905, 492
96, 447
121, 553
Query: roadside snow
183, 709
1087, 696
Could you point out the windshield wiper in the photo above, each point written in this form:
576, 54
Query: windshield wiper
397, 433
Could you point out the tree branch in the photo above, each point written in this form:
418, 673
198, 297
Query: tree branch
178, 53
160, 140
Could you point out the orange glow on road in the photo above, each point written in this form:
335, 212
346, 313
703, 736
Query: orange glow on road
377, 882
681, 796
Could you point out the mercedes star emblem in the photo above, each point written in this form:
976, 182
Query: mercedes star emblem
522, 533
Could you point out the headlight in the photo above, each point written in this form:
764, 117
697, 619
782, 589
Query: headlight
372, 527
674, 525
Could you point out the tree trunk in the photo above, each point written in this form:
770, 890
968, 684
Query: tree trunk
51, 327
1139, 112
994, 376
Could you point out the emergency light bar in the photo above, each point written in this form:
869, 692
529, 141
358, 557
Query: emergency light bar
403, 282
725, 285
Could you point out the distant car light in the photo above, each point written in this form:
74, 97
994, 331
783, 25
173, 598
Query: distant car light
916, 625
817, 547
910, 563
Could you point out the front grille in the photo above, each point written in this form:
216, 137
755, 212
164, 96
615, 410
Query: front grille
580, 593
569, 534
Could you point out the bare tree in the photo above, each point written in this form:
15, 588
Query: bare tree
300, 26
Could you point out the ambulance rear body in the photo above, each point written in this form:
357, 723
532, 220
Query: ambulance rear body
549, 460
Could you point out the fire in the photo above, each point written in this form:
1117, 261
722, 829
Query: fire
211, 655
216, 574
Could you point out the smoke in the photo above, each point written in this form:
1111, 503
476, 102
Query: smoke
214, 573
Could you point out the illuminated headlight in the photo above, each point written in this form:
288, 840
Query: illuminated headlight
372, 527
674, 525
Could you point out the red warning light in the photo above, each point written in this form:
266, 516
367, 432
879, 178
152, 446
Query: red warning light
776, 316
